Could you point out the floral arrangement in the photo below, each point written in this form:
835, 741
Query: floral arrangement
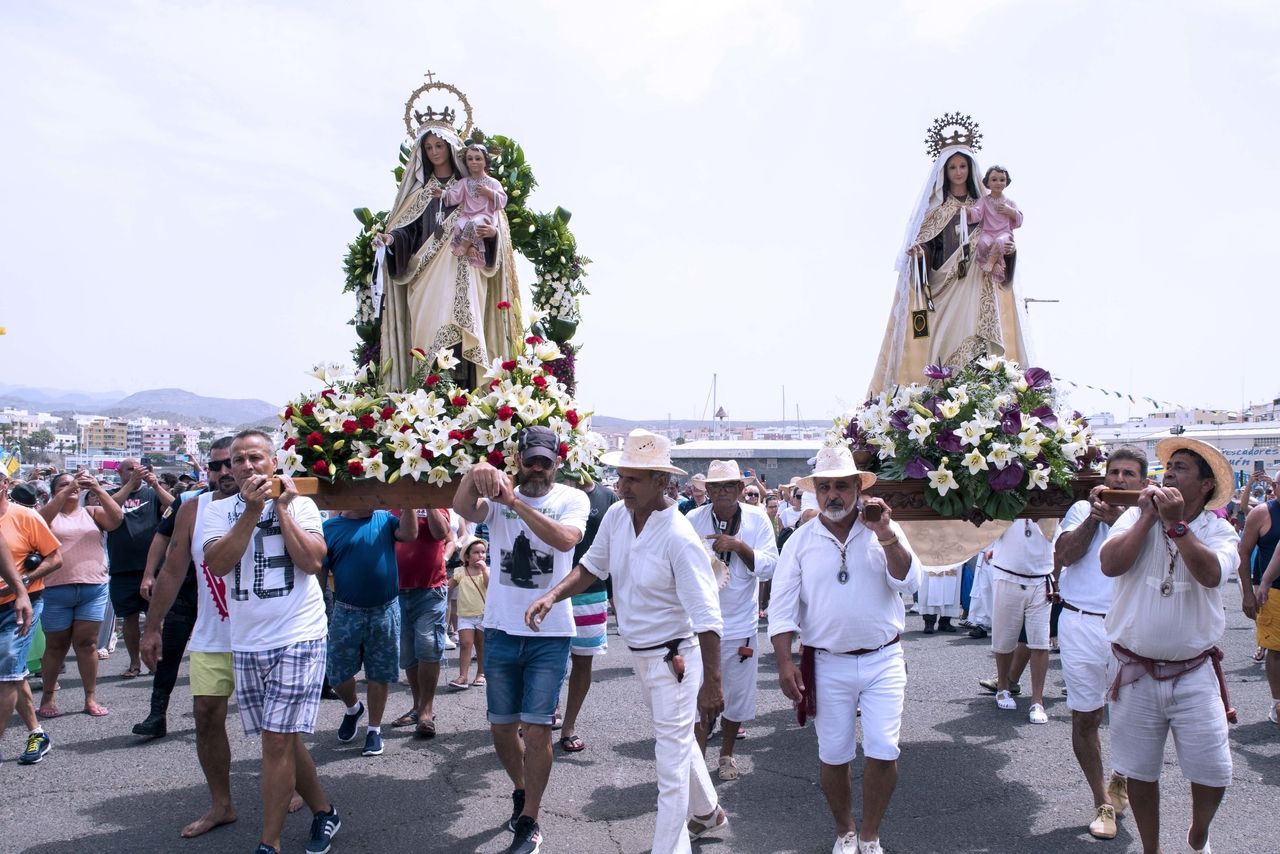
984, 437
352, 430
543, 238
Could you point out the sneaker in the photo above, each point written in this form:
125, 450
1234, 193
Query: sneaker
1037, 715
978, 632
517, 807
1274, 714
347, 729
1004, 700
528, 837
264, 848
38, 744
1118, 791
324, 826
990, 684
153, 727
1103, 825
372, 744
847, 844
449, 642
870, 847
700, 827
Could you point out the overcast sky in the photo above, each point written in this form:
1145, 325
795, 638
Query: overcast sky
179, 179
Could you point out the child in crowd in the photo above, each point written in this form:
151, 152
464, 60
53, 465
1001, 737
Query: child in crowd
472, 582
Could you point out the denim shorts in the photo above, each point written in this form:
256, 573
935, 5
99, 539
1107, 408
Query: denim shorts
68, 603
14, 649
422, 620
364, 635
523, 676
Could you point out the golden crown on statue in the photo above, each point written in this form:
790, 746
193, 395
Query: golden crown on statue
420, 116
963, 131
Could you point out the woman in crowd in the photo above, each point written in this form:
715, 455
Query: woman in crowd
76, 593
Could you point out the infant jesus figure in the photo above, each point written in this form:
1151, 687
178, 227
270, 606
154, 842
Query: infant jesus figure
999, 216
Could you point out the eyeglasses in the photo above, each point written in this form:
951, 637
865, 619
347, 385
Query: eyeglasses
752, 494
219, 465
729, 486
537, 463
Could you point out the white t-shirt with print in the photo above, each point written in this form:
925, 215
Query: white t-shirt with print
523, 567
212, 632
272, 603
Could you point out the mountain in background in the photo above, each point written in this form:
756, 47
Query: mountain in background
176, 404
56, 400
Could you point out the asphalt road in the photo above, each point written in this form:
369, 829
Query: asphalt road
973, 779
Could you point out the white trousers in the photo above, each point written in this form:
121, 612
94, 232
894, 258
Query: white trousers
684, 786
980, 594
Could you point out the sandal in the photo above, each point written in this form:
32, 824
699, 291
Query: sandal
409, 718
132, 673
479, 683
459, 684
572, 744
48, 712
96, 711
426, 729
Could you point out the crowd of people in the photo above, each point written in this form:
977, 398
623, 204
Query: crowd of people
279, 605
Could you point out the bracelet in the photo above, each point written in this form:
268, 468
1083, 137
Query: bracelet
888, 541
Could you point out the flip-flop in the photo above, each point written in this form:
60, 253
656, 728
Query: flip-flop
409, 718
48, 712
459, 684
131, 673
572, 744
426, 729
480, 683
96, 711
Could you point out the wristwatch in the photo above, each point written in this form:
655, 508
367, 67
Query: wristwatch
1177, 529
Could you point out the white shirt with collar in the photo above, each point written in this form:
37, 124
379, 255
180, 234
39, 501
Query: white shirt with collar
1191, 619
739, 599
1082, 583
663, 587
807, 596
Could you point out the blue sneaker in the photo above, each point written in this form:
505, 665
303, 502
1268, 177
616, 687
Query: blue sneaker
347, 730
372, 744
324, 826
38, 744
264, 848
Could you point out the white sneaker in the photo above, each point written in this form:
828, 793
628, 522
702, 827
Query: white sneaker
448, 643
847, 844
871, 847
1004, 700
1037, 715
1274, 714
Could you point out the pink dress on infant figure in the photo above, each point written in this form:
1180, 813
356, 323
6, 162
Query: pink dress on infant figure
474, 210
997, 233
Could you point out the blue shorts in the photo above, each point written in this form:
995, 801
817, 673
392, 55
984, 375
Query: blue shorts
523, 676
364, 635
68, 603
14, 649
422, 620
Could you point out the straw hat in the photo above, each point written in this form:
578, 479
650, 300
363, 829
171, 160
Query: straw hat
723, 471
1224, 478
835, 462
643, 450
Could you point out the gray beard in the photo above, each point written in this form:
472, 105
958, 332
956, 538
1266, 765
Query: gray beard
837, 516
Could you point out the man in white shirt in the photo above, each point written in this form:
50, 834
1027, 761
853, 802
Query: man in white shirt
1021, 587
740, 541
839, 583
669, 615
1171, 557
1082, 636
533, 529
273, 549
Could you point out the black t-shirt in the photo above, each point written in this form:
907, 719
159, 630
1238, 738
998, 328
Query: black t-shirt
127, 545
168, 520
601, 499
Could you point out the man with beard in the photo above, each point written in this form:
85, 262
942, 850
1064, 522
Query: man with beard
533, 529
1086, 598
1171, 556
839, 583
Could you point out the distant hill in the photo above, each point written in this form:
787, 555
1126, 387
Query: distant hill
177, 404
56, 400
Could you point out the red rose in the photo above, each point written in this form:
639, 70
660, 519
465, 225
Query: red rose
459, 400
426, 453
321, 468
509, 365
504, 304
533, 339
315, 439
564, 449
496, 459
406, 428
432, 380
355, 468
540, 381
289, 443
388, 412
328, 393
367, 421
572, 417
307, 409
456, 435
288, 412
350, 426
504, 413
469, 433
495, 384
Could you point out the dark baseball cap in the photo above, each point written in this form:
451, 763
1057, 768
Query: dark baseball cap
539, 442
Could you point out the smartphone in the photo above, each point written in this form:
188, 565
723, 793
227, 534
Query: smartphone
872, 512
1259, 465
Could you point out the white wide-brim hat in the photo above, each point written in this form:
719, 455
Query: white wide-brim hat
723, 471
836, 462
643, 450
1223, 476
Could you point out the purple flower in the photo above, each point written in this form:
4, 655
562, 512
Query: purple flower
948, 441
1011, 421
1047, 416
1038, 378
900, 420
933, 406
938, 372
918, 468
1005, 479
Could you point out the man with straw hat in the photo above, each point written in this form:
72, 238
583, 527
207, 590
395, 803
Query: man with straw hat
669, 616
740, 539
1171, 557
839, 583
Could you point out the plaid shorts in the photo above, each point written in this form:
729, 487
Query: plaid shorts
278, 690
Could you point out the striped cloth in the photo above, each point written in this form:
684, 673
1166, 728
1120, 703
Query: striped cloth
591, 618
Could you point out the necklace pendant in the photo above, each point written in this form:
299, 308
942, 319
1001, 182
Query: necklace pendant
843, 576
1166, 588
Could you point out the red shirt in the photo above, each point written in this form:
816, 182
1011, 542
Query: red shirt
422, 561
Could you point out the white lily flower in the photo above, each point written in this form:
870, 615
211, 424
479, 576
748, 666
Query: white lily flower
461, 462
440, 445
959, 394
375, 468
547, 351
949, 408
438, 476
971, 432
921, 427
991, 363
291, 463
888, 450
942, 480
413, 465
1001, 454
975, 461
1039, 477
401, 445
1030, 441
445, 360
